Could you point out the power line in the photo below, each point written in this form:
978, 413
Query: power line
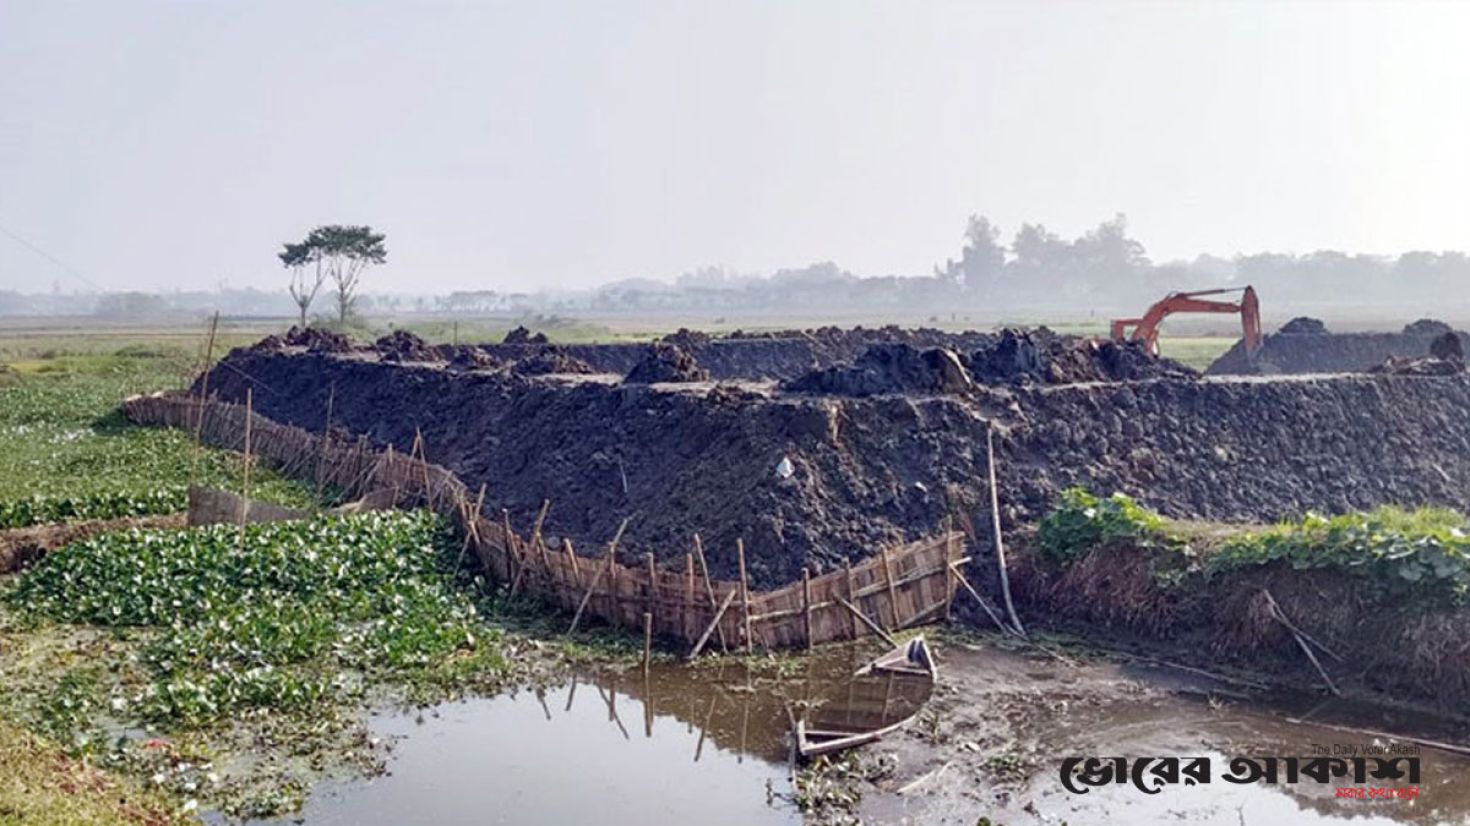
65, 267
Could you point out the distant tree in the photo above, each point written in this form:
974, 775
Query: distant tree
307, 275
345, 251
983, 257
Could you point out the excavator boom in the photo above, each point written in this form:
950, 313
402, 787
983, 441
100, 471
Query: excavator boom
1146, 328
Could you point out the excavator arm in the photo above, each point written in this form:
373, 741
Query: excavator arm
1146, 329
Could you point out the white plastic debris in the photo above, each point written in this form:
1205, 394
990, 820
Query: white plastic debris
784, 469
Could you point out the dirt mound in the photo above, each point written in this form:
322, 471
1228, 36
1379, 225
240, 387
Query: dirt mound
1331, 352
1021, 357
666, 363
1303, 326
890, 368
520, 335
465, 358
1447, 346
317, 340
401, 345
886, 467
687, 339
548, 361
1427, 327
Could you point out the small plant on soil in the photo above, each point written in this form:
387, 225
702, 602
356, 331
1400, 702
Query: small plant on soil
1424, 551
1082, 522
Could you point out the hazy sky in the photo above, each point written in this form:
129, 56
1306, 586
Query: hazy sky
512, 145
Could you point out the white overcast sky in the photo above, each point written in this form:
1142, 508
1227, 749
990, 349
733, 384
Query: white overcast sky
536, 143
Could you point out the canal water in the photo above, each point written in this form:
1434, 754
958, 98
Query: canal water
709, 744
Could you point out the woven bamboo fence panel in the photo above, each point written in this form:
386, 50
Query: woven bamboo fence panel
893, 589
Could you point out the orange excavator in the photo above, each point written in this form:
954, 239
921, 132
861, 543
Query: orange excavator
1146, 329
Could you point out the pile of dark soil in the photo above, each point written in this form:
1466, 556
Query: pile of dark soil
1427, 327
318, 340
885, 467
520, 335
889, 368
1303, 326
666, 363
548, 361
1015, 357
687, 339
401, 345
466, 357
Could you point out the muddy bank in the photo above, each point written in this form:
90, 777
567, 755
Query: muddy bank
1000, 723
1306, 346
705, 458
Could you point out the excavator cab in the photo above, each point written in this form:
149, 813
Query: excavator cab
1146, 328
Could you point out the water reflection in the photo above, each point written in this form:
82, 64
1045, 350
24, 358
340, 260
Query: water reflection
707, 743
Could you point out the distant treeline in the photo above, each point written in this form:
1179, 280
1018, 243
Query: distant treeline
1035, 271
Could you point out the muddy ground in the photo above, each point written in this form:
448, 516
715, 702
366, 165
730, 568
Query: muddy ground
991, 740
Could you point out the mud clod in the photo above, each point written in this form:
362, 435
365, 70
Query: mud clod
552, 360
666, 363
401, 345
520, 335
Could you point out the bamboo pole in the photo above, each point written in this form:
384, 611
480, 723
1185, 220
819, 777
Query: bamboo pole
877, 629
321, 461
472, 532
892, 589
647, 642
1000, 551
806, 601
949, 583
687, 622
744, 594
650, 598
715, 623
709, 587
572, 560
245, 469
203, 397
847, 566
994, 617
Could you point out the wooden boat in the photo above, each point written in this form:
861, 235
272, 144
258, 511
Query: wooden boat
911, 659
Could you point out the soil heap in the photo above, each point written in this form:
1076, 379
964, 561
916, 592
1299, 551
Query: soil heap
666, 363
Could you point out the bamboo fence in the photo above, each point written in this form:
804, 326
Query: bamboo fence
893, 589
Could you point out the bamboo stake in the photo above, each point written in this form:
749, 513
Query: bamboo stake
321, 461
650, 597
203, 397
472, 532
744, 593
847, 566
877, 629
612, 552
949, 583
245, 470
572, 560
1000, 551
709, 587
687, 621
647, 641
892, 590
806, 600
994, 617
715, 623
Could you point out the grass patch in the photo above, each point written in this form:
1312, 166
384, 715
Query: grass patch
1397, 551
65, 452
